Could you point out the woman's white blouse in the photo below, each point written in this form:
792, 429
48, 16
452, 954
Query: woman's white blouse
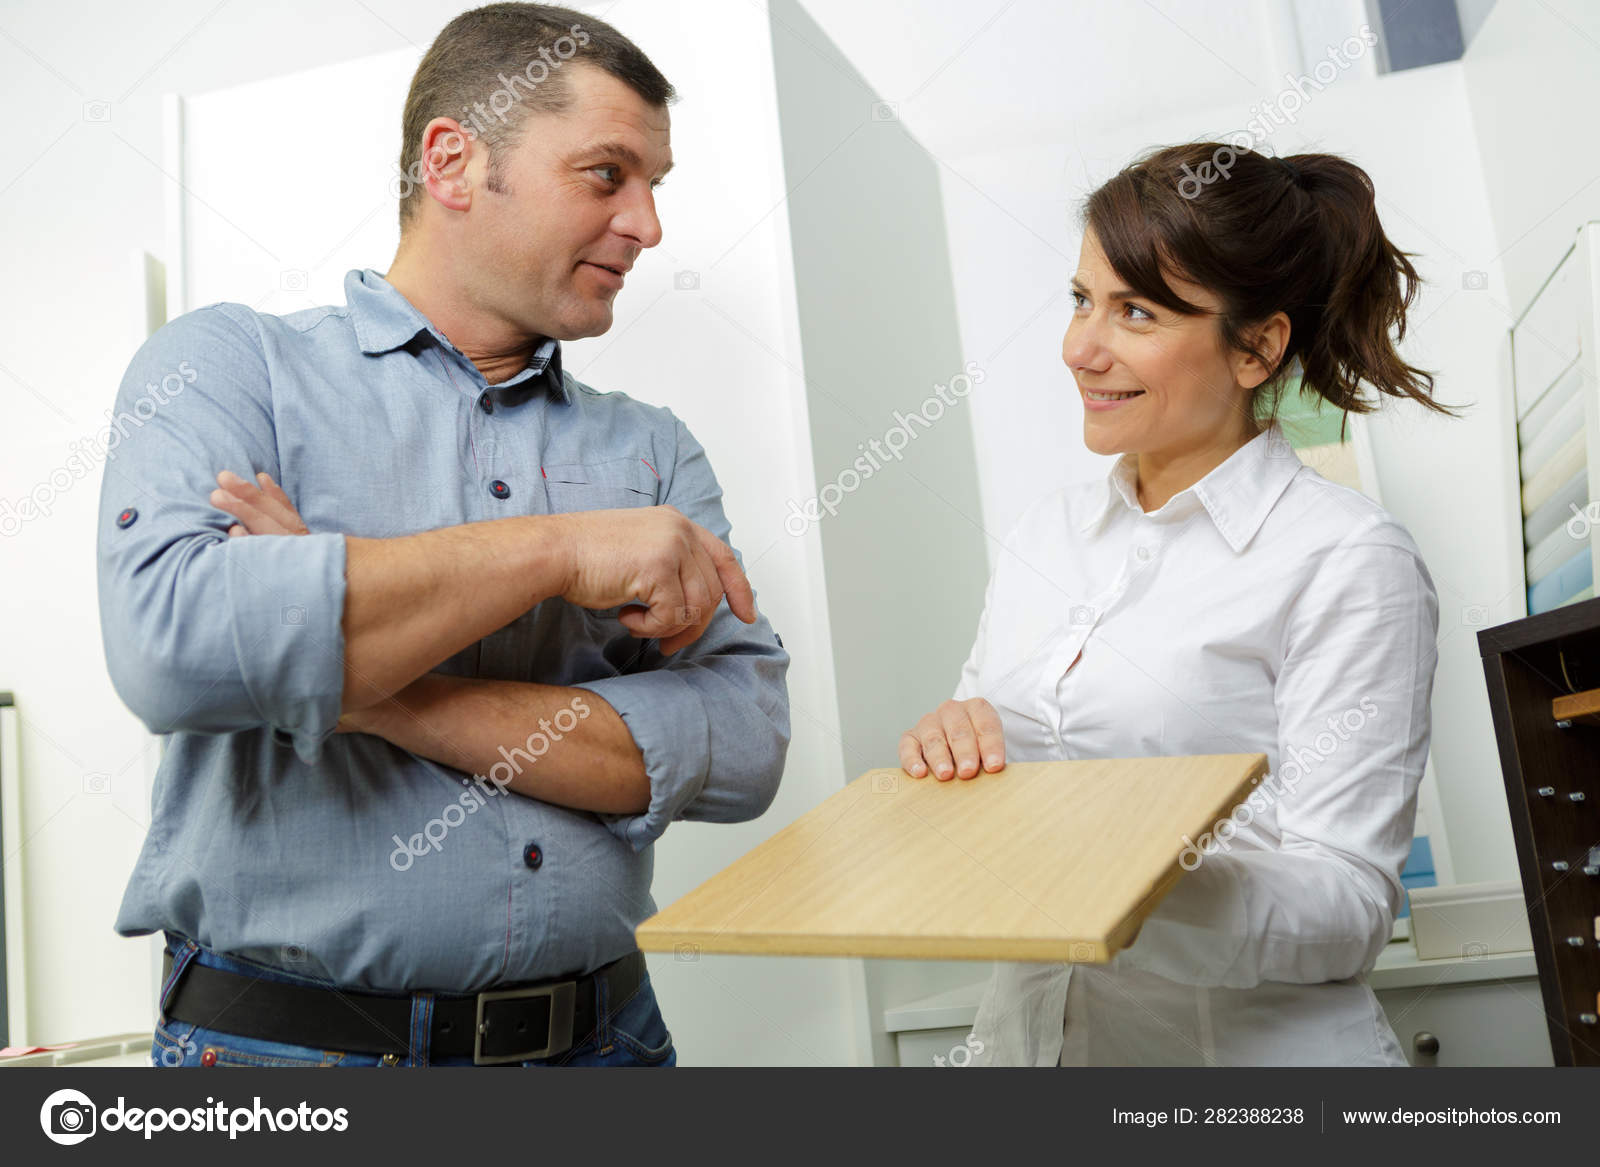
1262, 610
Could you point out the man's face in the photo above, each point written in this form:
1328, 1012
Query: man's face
575, 198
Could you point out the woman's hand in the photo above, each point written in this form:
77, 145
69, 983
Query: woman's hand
954, 739
261, 509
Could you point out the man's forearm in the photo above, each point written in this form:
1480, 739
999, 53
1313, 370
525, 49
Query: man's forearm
558, 744
413, 601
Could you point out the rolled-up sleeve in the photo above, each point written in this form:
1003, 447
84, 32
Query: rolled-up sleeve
1352, 700
712, 720
204, 633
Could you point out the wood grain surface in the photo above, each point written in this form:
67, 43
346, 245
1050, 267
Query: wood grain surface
1049, 861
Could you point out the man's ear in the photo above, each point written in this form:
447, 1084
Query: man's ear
448, 150
1272, 338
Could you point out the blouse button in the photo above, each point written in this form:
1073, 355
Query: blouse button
1143, 553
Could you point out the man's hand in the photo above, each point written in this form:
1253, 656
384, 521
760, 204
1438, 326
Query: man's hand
261, 509
675, 569
953, 739
655, 557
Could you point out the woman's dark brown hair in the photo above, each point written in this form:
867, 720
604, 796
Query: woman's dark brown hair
1298, 235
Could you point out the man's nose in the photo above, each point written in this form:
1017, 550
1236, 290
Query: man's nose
638, 220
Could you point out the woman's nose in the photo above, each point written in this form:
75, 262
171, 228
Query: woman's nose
1082, 347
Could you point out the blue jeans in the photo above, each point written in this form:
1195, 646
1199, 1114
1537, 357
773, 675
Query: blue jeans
629, 1033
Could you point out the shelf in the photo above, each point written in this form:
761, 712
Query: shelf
1398, 967
1574, 705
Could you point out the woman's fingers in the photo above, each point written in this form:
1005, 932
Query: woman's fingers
935, 749
958, 738
991, 734
962, 737
911, 755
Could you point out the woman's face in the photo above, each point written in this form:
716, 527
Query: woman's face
1170, 387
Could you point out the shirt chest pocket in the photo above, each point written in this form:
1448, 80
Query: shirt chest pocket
598, 486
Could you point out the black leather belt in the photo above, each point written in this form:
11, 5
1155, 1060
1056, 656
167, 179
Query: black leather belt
502, 1025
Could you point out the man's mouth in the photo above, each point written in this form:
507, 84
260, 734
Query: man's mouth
618, 270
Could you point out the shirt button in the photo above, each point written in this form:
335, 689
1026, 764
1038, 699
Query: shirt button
1143, 553
499, 489
487, 403
532, 856
126, 518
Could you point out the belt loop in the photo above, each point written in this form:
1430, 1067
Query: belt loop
421, 1028
179, 961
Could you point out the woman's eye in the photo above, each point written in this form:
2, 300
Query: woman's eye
1143, 314
1078, 299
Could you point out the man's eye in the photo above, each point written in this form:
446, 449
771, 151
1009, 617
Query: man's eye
609, 173
1078, 299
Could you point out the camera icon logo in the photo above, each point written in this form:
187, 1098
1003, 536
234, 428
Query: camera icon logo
294, 615
1474, 614
97, 783
294, 280
686, 952
1474, 281
97, 111
1476, 950
67, 1117
686, 281
885, 111
885, 783
1081, 614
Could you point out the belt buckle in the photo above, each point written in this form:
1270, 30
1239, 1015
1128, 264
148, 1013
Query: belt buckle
562, 996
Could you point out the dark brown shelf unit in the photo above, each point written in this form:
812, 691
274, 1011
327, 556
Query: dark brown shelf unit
1552, 775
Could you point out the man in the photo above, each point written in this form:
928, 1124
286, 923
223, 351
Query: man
499, 572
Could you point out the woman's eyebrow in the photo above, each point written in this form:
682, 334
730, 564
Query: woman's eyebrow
1114, 294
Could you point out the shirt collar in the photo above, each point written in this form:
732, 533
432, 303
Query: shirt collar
1238, 494
385, 320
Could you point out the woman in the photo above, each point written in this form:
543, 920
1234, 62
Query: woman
1213, 595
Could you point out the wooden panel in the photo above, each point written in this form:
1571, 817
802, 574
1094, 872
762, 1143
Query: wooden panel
1552, 779
1050, 861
